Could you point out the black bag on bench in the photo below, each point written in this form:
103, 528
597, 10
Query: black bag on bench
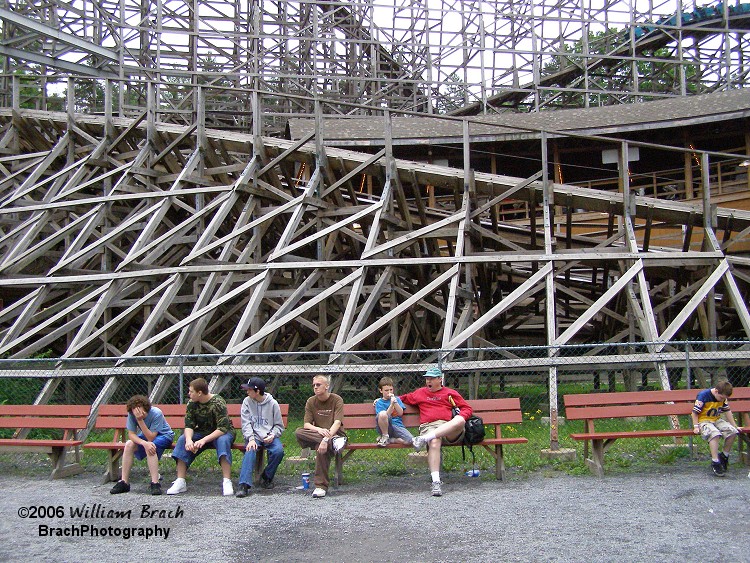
473, 432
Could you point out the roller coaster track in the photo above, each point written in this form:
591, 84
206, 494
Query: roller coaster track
701, 23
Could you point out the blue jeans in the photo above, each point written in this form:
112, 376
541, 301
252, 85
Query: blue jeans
275, 454
222, 444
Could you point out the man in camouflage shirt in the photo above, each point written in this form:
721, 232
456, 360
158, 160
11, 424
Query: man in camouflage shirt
207, 425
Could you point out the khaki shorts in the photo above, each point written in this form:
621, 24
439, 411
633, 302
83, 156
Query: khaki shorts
427, 426
711, 430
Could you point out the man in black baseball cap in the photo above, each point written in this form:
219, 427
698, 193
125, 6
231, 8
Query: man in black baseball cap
256, 384
262, 425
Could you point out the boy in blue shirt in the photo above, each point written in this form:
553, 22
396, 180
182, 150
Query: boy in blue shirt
709, 408
149, 434
388, 412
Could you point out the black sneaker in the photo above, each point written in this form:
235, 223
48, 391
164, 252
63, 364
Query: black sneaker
155, 488
242, 490
120, 487
265, 482
718, 468
724, 459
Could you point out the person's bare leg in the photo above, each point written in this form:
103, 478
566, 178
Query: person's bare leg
152, 460
728, 444
226, 467
181, 469
127, 460
383, 423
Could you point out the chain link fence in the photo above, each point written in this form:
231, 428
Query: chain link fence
539, 376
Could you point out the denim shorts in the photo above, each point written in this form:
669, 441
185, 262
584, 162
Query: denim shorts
161, 442
222, 445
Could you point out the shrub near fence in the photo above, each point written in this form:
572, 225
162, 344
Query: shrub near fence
524, 375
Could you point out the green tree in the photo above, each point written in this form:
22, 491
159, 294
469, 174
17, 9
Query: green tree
656, 73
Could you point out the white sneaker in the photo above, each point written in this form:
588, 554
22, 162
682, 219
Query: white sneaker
338, 443
418, 443
437, 491
228, 488
319, 493
179, 486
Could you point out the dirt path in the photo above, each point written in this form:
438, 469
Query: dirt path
669, 514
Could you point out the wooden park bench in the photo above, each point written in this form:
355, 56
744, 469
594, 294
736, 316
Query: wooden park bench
54, 430
494, 413
113, 417
673, 405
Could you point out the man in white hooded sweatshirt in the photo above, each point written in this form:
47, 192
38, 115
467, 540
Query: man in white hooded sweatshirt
261, 426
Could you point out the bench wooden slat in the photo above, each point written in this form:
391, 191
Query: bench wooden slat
628, 411
682, 432
367, 422
45, 410
493, 441
630, 397
45, 422
26, 443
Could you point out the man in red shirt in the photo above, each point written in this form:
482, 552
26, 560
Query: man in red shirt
442, 415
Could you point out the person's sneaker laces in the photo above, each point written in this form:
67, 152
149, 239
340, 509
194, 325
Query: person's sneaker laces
724, 459
318, 493
227, 488
718, 468
437, 491
156, 488
179, 486
265, 482
242, 490
120, 487
383, 440
418, 443
338, 443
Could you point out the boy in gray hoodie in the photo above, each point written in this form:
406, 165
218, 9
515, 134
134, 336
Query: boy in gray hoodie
261, 426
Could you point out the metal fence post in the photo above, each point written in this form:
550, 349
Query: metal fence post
179, 378
688, 384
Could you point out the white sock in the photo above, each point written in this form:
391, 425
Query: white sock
429, 437
435, 476
227, 479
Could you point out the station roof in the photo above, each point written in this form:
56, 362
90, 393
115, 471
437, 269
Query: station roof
606, 120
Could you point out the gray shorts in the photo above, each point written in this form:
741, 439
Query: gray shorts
711, 430
397, 432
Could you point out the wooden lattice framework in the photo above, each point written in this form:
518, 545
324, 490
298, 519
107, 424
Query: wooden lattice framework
127, 237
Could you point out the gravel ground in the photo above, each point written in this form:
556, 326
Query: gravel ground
667, 514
